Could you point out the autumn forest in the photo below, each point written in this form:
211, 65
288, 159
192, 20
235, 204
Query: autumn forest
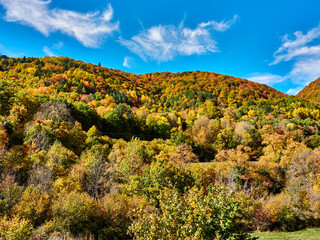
88, 152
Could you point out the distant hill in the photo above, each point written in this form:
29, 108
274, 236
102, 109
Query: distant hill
176, 90
311, 92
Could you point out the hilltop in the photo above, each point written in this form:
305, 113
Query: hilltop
312, 91
176, 90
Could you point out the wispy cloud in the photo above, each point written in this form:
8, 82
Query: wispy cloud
305, 70
296, 45
88, 28
165, 42
127, 62
266, 78
304, 51
48, 51
294, 91
220, 26
10, 52
57, 46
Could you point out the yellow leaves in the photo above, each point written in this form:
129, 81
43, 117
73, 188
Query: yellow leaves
240, 155
242, 132
290, 126
108, 100
67, 184
102, 110
228, 122
31, 70
183, 154
252, 114
276, 204
86, 83
316, 183
16, 228
274, 145
303, 113
292, 150
145, 99
4, 138
155, 119
42, 90
34, 205
93, 104
60, 158
18, 115
133, 96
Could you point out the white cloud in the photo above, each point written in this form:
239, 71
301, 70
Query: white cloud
294, 91
58, 45
48, 51
88, 28
298, 52
266, 78
220, 26
305, 70
165, 42
297, 46
304, 51
9, 52
127, 62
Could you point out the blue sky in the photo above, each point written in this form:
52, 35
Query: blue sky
271, 42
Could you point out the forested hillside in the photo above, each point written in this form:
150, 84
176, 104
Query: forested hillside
311, 91
87, 151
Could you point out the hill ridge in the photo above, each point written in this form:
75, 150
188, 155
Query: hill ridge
68, 75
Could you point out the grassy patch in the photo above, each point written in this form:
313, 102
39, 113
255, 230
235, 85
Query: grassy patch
306, 234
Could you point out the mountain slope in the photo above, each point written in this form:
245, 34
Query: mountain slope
77, 139
178, 90
311, 92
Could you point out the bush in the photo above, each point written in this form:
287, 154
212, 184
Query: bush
159, 175
279, 213
16, 229
34, 206
118, 209
75, 213
10, 194
55, 111
193, 215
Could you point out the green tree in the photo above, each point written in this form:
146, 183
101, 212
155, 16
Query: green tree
6, 97
74, 212
193, 215
120, 120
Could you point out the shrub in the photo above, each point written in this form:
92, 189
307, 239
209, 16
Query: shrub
193, 215
10, 194
280, 213
159, 175
16, 229
55, 111
118, 209
34, 206
74, 212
